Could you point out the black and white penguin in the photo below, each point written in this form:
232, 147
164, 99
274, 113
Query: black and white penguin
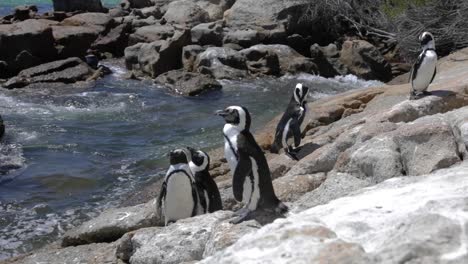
178, 198
424, 69
210, 199
251, 181
288, 131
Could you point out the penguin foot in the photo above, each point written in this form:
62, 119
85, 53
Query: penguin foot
241, 211
426, 93
245, 216
292, 155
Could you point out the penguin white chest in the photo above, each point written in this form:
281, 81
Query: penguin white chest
425, 72
230, 146
179, 201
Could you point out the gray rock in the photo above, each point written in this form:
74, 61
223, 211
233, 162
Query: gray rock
221, 63
280, 165
182, 241
152, 33
262, 62
244, 38
149, 21
140, 3
215, 8
153, 11
64, 71
188, 83
115, 41
208, 33
74, 41
185, 12
74, 5
113, 224
24, 12
365, 61
292, 187
189, 56
33, 36
98, 21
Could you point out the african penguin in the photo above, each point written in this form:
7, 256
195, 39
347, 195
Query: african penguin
210, 199
289, 127
424, 69
251, 181
178, 198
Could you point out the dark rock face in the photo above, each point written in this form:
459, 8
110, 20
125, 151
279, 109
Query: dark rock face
115, 41
32, 38
221, 63
64, 71
2, 128
157, 57
189, 56
25, 12
208, 33
139, 3
78, 5
74, 41
365, 61
188, 83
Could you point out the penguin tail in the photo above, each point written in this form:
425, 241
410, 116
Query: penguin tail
274, 148
281, 208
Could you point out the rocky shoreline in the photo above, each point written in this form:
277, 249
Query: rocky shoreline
381, 179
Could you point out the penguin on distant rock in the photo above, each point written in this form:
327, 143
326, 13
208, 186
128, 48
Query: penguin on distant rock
424, 69
178, 198
251, 181
288, 131
207, 189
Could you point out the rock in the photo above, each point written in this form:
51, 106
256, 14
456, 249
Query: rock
33, 36
188, 83
225, 234
81, 5
365, 61
93, 253
189, 55
153, 11
2, 128
300, 43
137, 23
25, 12
74, 41
115, 41
157, 57
185, 12
140, 3
64, 71
292, 187
113, 224
208, 33
289, 60
215, 8
262, 62
244, 38
99, 21
327, 60
221, 63
182, 241
152, 33
280, 165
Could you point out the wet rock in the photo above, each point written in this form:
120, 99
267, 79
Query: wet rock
182, 241
188, 83
224, 234
157, 57
64, 71
185, 12
365, 61
93, 253
74, 41
115, 41
189, 55
82, 5
113, 224
152, 33
289, 60
221, 63
32, 36
208, 33
292, 187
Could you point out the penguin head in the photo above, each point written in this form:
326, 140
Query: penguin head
300, 93
200, 160
427, 40
237, 116
180, 156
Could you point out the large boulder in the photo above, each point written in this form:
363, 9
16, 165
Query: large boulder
78, 5
113, 224
365, 61
215, 8
188, 83
189, 56
185, 12
157, 57
70, 70
221, 63
139, 3
100, 21
74, 41
29, 41
152, 33
208, 33
115, 41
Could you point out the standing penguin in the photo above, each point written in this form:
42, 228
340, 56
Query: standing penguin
207, 188
424, 69
251, 181
178, 198
289, 127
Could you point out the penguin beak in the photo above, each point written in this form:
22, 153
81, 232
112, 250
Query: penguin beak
222, 113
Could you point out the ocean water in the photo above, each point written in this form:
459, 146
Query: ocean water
7, 6
70, 153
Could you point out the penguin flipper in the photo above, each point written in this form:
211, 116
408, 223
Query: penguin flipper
296, 131
195, 198
162, 195
243, 169
433, 76
414, 69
